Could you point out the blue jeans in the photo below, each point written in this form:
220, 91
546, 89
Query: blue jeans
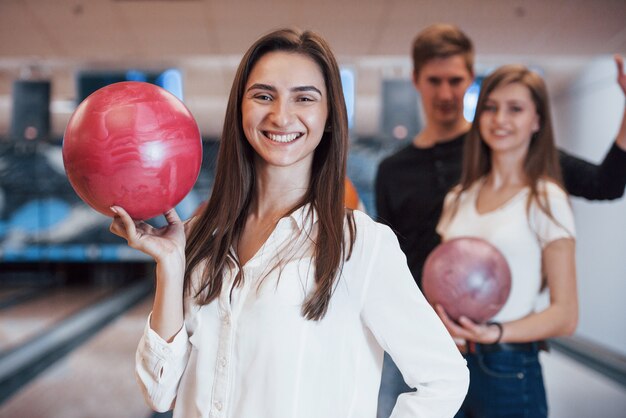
391, 386
505, 384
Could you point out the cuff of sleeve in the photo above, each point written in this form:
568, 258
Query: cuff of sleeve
177, 347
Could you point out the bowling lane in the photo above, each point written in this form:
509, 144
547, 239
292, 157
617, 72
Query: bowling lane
96, 380
14, 295
10, 291
25, 320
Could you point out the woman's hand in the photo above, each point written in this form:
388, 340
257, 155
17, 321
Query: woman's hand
167, 246
621, 76
159, 243
468, 330
621, 80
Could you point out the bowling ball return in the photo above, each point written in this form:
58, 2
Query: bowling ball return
134, 145
468, 277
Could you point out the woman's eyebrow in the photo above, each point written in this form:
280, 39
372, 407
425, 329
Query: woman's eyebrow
306, 88
261, 86
268, 87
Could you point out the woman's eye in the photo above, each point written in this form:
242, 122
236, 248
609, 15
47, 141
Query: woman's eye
263, 97
490, 108
305, 99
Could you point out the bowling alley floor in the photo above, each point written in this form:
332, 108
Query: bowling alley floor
575, 391
96, 381
24, 320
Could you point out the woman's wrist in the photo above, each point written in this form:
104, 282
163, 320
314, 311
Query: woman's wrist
500, 331
171, 269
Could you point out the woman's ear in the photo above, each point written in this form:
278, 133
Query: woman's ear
537, 124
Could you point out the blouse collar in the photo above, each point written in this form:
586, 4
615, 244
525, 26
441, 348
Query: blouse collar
303, 217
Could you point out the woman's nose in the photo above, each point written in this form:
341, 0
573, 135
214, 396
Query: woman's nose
499, 116
281, 113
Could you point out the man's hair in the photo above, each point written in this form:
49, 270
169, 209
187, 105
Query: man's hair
442, 40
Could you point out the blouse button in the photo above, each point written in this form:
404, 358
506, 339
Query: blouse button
218, 405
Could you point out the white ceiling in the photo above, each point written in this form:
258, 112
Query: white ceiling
205, 39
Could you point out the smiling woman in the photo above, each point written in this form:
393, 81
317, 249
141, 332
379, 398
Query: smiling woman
509, 120
511, 196
284, 117
275, 301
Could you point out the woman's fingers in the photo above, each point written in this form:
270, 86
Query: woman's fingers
477, 332
620, 63
468, 324
117, 227
452, 327
144, 228
464, 328
156, 242
171, 216
123, 225
471, 329
621, 77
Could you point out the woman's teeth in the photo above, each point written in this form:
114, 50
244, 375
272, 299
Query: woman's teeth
283, 138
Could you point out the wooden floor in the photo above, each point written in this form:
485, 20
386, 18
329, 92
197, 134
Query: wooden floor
94, 381
575, 391
97, 380
25, 320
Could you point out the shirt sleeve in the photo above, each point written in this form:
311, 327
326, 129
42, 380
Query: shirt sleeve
595, 182
159, 366
560, 224
407, 327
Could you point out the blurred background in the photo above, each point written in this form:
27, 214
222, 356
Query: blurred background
74, 298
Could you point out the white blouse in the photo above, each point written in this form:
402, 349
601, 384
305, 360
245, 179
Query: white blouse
519, 234
251, 354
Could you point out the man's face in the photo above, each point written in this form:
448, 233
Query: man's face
442, 83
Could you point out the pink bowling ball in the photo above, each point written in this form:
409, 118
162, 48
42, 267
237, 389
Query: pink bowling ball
134, 145
467, 277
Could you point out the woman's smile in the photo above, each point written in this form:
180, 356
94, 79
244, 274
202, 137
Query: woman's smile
283, 138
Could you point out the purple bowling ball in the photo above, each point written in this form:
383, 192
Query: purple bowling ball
467, 277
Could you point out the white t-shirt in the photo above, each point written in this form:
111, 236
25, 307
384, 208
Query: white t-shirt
251, 354
519, 234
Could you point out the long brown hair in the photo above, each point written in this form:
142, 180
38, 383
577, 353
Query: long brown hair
221, 222
541, 161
